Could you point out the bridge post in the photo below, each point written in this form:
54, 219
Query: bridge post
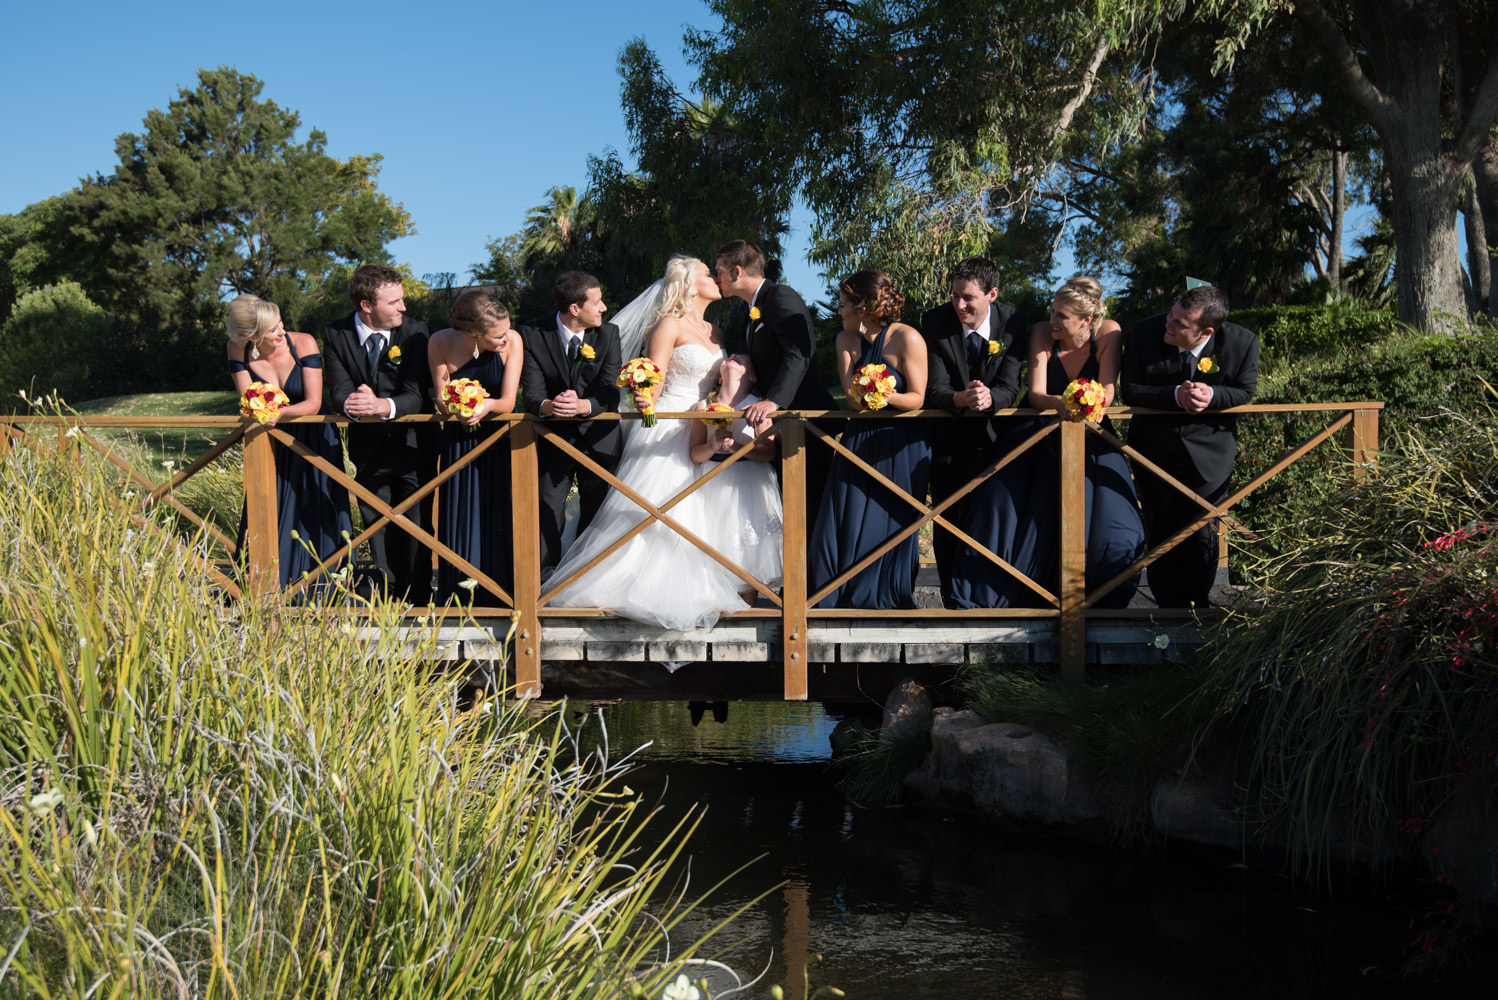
1072, 587
261, 539
793, 587
525, 493
1361, 441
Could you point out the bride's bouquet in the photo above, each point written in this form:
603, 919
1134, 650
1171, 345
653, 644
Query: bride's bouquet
262, 402
1085, 396
874, 384
638, 375
462, 397
722, 422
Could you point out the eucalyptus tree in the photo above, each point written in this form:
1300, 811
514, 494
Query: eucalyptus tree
1424, 76
911, 126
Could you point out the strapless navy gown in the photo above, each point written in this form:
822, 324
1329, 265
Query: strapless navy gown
858, 515
474, 505
1017, 514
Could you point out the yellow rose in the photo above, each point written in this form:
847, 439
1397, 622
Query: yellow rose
586, 352
394, 354
754, 314
1208, 365
993, 347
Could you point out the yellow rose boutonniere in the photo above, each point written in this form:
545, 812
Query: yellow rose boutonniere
1208, 366
754, 314
586, 352
394, 354
993, 348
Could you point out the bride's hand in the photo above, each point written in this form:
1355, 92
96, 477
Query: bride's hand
644, 400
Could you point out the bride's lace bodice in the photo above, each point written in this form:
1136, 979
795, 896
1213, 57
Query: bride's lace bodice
691, 373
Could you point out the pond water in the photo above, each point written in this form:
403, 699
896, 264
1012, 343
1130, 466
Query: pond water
919, 903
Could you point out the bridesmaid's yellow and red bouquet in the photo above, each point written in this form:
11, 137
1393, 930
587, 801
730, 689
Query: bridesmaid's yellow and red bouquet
1085, 396
461, 397
874, 384
720, 422
638, 375
262, 402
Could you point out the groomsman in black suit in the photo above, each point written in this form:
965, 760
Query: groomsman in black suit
571, 364
782, 347
975, 347
1194, 361
377, 370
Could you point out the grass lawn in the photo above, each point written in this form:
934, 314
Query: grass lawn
180, 444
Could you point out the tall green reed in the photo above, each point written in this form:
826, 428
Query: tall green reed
1361, 700
208, 799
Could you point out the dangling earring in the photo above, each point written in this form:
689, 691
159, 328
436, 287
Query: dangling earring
254, 352
475, 348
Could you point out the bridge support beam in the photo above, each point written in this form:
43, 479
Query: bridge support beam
1072, 590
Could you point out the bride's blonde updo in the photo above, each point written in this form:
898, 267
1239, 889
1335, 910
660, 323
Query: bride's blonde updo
249, 317
1084, 296
679, 291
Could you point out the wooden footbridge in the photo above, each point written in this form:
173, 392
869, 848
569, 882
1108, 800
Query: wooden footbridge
786, 647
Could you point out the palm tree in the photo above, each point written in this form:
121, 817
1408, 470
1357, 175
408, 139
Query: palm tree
554, 229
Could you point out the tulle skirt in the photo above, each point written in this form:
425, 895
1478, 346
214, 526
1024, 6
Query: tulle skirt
659, 577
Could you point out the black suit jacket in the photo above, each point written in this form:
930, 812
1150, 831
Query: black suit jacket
782, 347
547, 372
373, 444
947, 372
1197, 449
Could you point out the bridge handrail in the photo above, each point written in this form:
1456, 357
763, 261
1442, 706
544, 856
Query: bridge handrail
794, 605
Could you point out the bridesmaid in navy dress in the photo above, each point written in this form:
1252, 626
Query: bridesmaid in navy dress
857, 514
1016, 513
308, 503
474, 505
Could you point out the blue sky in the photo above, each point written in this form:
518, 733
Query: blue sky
477, 108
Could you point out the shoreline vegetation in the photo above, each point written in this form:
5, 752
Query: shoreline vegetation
199, 799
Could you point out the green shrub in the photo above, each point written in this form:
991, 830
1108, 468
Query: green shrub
208, 800
56, 340
1291, 333
1363, 697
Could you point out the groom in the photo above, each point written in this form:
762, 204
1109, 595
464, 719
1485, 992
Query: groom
376, 362
781, 345
571, 362
1195, 362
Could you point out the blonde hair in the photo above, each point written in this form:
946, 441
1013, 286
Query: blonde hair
679, 293
1085, 295
250, 316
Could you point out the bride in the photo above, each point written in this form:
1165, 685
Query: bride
659, 577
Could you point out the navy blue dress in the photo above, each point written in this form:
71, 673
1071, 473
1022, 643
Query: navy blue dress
1017, 514
858, 515
473, 507
307, 501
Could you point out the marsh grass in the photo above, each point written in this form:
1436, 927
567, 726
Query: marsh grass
200, 799
872, 769
1361, 700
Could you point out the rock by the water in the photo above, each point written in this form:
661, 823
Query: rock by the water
907, 713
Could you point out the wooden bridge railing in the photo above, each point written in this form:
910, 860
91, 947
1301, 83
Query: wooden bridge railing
794, 606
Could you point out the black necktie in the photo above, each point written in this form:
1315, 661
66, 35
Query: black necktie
1186, 365
573, 346
976, 348
372, 348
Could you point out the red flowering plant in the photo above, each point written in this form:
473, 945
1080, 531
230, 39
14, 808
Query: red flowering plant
1362, 691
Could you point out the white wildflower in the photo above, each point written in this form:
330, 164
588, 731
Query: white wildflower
682, 989
72, 432
168, 464
148, 569
45, 802
1162, 640
469, 584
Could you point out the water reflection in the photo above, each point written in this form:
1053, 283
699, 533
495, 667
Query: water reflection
912, 903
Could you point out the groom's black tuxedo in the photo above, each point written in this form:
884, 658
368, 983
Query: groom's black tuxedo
1198, 449
782, 347
391, 460
547, 373
960, 448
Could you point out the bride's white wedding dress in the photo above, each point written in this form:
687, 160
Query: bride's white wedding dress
658, 576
